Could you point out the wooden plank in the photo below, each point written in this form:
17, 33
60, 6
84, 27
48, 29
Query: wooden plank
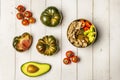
69, 11
7, 55
114, 39
85, 54
38, 30
101, 47
21, 57
54, 60
98, 62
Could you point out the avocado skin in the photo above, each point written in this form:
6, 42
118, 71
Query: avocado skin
36, 63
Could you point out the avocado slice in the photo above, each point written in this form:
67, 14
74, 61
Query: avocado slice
34, 69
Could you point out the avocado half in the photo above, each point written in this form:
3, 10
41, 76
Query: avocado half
34, 69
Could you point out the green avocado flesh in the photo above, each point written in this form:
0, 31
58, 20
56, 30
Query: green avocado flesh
34, 69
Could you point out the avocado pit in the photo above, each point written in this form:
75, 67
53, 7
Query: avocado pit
32, 69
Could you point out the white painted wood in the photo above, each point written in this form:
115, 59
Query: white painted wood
85, 54
100, 61
54, 60
38, 30
101, 47
114, 39
69, 14
7, 55
21, 57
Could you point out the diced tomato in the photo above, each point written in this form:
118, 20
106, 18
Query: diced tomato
87, 24
83, 23
86, 28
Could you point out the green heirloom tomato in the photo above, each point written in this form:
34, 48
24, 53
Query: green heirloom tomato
47, 45
51, 17
23, 42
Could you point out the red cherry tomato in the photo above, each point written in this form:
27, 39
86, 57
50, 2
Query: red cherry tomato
75, 59
87, 24
27, 14
86, 28
21, 8
83, 23
32, 20
69, 54
19, 16
25, 22
66, 61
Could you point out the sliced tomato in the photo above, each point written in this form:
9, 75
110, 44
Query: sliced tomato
66, 61
87, 24
69, 54
26, 44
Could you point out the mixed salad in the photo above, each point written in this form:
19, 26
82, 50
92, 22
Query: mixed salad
81, 33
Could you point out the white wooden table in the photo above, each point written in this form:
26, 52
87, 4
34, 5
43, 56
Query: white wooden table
100, 61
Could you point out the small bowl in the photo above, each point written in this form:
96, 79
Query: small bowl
81, 33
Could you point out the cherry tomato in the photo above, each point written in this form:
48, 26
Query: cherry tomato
87, 24
69, 54
21, 8
32, 20
19, 16
86, 28
27, 14
83, 23
25, 22
66, 61
75, 59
